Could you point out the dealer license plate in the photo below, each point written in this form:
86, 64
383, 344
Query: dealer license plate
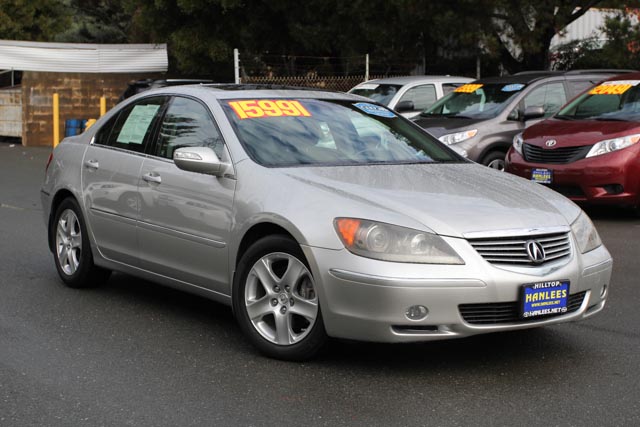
544, 298
542, 176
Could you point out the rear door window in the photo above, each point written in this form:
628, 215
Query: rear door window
131, 129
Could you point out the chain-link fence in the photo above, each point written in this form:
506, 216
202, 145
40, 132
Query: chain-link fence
336, 83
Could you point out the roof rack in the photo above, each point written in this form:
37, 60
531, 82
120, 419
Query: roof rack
537, 72
600, 71
574, 72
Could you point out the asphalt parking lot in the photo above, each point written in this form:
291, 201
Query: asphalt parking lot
133, 353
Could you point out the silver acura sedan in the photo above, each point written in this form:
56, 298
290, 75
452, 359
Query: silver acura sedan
315, 215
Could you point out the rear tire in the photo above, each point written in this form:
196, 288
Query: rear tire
495, 160
72, 249
275, 300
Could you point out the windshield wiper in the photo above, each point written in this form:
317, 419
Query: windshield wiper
458, 116
610, 119
564, 117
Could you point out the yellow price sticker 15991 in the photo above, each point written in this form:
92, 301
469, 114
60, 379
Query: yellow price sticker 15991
257, 108
468, 88
610, 89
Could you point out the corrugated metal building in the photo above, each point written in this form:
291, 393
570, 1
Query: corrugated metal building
587, 26
79, 73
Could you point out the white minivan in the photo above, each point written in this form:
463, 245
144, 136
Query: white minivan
409, 95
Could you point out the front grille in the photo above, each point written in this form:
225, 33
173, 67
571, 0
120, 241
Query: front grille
508, 312
562, 155
512, 250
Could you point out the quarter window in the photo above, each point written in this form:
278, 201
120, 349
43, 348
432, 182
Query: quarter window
187, 123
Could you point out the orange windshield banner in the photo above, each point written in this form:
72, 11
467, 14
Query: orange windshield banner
260, 108
613, 87
468, 88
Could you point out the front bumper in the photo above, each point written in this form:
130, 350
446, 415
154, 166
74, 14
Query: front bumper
609, 179
367, 300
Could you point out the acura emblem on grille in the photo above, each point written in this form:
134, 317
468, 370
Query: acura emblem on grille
535, 251
550, 143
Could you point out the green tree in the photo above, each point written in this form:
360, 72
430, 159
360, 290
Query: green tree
32, 20
96, 21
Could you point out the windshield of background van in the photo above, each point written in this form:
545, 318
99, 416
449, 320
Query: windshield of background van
475, 101
611, 101
295, 132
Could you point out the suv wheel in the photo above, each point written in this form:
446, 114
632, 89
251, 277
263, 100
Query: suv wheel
495, 160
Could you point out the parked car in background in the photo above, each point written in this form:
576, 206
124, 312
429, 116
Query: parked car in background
315, 215
483, 117
409, 95
589, 151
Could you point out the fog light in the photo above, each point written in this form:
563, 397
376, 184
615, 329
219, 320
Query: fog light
416, 312
603, 291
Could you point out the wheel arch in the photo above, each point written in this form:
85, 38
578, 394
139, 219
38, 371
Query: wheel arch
61, 195
498, 146
257, 232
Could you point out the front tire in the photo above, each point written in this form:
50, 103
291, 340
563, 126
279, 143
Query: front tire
495, 160
72, 249
275, 300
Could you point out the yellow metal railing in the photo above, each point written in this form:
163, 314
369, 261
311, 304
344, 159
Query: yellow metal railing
56, 117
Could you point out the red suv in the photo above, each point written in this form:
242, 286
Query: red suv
589, 150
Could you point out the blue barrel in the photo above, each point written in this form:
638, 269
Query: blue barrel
72, 127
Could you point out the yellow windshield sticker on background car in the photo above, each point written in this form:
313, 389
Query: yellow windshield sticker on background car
468, 88
616, 87
256, 108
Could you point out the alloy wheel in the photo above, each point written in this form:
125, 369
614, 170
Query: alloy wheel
280, 298
68, 242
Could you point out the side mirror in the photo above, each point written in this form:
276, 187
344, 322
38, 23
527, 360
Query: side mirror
405, 106
200, 160
532, 113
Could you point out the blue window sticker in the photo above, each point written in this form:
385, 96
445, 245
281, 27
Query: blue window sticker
374, 110
514, 87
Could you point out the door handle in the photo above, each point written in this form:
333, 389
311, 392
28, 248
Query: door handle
152, 177
91, 164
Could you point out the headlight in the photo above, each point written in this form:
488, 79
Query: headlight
388, 242
609, 145
454, 138
517, 143
585, 233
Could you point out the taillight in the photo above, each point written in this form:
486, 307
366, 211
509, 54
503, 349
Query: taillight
48, 162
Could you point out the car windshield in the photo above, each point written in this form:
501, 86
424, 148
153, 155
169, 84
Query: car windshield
295, 132
613, 100
475, 100
382, 93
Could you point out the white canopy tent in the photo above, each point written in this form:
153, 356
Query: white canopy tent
83, 58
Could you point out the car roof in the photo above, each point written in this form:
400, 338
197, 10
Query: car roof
403, 80
527, 77
248, 91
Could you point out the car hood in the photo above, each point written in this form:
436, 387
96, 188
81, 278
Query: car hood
449, 199
439, 125
573, 133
